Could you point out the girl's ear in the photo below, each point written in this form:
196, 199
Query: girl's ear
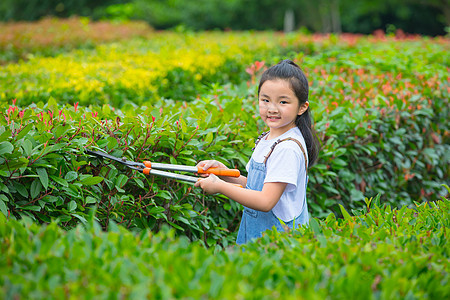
303, 108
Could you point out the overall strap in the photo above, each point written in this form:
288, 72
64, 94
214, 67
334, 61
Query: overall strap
260, 137
287, 139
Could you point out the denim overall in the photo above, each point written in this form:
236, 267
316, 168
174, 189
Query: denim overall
255, 222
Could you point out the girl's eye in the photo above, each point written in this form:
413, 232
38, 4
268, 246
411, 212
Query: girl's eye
264, 100
283, 102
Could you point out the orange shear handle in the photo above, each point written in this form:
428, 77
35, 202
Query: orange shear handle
220, 172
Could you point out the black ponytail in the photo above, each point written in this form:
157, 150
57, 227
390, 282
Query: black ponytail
291, 72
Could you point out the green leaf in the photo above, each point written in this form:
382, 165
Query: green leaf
165, 195
121, 180
4, 188
43, 177
59, 180
35, 188
139, 183
5, 133
64, 218
90, 199
71, 176
72, 205
340, 152
156, 210
182, 219
112, 143
44, 218
209, 137
345, 213
52, 104
339, 162
50, 199
27, 147
175, 225
6, 147
32, 207
70, 191
60, 130
21, 189
4, 198
330, 218
81, 218
3, 207
356, 195
91, 180
331, 189
15, 164
24, 131
315, 226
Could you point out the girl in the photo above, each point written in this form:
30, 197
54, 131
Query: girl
277, 171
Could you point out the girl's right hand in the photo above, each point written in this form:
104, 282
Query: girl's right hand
206, 164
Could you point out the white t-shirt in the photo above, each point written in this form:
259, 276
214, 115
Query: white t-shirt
285, 164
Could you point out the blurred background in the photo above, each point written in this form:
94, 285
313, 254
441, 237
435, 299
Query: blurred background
425, 17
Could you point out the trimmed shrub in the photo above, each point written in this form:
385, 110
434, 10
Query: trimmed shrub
381, 253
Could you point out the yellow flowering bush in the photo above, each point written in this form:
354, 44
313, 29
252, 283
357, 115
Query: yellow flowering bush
166, 65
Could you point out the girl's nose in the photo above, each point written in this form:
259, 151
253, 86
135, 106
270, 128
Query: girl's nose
272, 107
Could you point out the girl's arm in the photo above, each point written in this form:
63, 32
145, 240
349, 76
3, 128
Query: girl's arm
263, 200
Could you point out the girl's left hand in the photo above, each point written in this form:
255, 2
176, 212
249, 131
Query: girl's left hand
206, 164
210, 184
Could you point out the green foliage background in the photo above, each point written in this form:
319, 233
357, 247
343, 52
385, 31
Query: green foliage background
72, 225
430, 17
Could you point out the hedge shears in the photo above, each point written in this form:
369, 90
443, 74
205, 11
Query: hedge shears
151, 168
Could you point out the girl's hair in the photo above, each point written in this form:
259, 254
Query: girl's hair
290, 71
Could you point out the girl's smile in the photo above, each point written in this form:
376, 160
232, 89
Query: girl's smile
273, 118
279, 106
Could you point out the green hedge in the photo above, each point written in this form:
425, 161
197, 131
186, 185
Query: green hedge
382, 253
47, 176
380, 108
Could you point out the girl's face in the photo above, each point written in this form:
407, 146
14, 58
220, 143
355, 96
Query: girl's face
279, 107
